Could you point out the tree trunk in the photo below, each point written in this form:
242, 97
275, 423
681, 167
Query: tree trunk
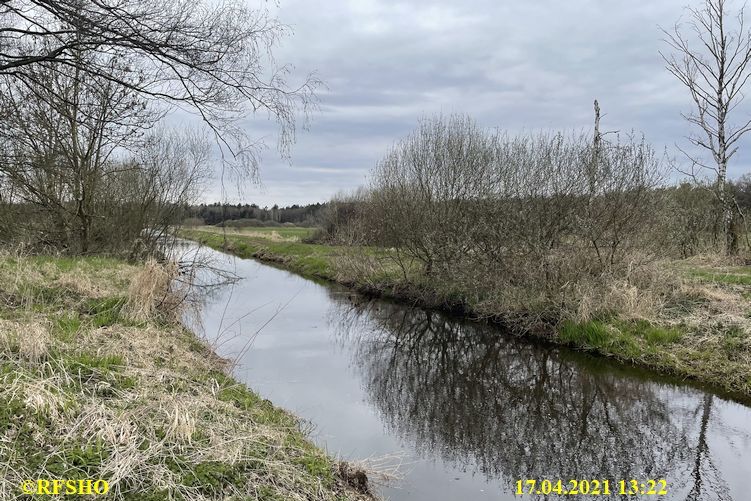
83, 230
729, 230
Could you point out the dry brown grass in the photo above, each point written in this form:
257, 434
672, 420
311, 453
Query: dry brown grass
8, 337
638, 294
715, 260
29, 340
149, 291
83, 285
33, 342
272, 235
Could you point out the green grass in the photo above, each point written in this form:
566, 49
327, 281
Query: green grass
594, 333
311, 260
624, 339
317, 261
735, 342
600, 337
45, 297
89, 363
66, 263
239, 395
209, 478
104, 312
67, 325
652, 334
737, 275
102, 375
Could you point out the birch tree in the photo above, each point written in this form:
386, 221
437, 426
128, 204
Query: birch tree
710, 56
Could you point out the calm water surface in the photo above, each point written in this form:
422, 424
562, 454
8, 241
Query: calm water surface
466, 410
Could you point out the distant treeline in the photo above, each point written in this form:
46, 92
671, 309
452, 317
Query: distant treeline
253, 215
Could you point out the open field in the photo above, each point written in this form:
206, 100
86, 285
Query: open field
280, 233
703, 332
101, 381
310, 260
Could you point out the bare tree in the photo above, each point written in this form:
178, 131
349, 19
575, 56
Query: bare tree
81, 158
711, 58
212, 57
63, 130
168, 171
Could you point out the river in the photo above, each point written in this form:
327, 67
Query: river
462, 408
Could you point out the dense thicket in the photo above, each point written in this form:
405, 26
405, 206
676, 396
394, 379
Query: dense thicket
527, 220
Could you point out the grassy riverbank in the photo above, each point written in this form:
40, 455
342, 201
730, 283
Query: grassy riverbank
100, 381
701, 330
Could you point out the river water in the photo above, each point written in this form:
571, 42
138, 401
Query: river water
463, 409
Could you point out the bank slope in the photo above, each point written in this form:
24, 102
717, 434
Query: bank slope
99, 380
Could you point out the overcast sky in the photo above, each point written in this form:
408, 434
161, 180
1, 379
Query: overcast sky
517, 65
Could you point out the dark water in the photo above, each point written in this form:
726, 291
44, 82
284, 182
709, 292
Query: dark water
465, 409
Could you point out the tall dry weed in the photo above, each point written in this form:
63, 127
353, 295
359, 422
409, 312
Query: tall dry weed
150, 294
33, 342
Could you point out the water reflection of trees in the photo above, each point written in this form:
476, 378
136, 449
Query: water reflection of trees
512, 410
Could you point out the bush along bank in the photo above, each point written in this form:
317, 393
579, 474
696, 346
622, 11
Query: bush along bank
100, 381
689, 318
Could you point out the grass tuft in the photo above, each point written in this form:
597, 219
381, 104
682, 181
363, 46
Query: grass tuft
592, 333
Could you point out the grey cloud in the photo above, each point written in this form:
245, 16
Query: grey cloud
515, 65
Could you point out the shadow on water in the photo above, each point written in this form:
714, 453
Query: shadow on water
475, 410
514, 410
